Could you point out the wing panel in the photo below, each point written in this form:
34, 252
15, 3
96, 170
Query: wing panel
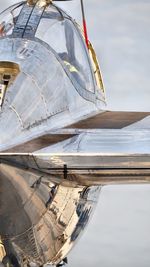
110, 120
39, 143
85, 169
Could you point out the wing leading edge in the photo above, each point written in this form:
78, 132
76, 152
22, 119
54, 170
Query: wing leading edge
83, 168
109, 120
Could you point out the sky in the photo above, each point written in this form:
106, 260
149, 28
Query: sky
120, 33
118, 235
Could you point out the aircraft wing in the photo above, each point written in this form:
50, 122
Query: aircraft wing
94, 151
83, 168
108, 148
109, 120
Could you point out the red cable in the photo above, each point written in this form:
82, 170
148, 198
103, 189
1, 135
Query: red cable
85, 33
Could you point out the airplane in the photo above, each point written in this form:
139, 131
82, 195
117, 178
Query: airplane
58, 143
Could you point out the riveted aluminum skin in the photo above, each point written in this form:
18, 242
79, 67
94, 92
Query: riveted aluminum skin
40, 220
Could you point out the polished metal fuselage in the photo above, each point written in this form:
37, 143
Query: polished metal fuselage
40, 220
47, 197
43, 96
40, 217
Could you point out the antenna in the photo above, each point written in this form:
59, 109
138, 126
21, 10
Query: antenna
84, 24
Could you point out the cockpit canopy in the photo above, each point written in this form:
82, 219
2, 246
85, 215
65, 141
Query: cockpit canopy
8, 19
54, 28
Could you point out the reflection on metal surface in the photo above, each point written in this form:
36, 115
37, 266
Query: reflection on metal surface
41, 3
97, 72
2, 250
8, 69
44, 95
46, 200
8, 73
86, 169
40, 219
3, 88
